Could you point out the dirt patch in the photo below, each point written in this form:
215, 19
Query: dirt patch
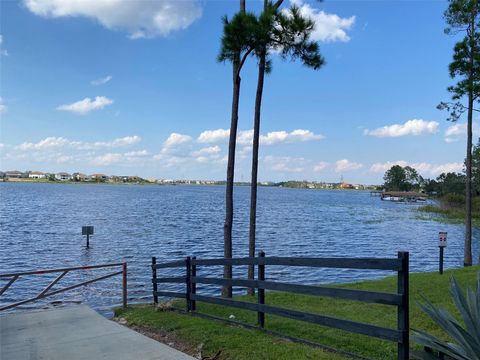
169, 339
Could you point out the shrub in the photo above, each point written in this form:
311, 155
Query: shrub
465, 334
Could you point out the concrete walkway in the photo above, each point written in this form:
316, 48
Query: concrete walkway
75, 333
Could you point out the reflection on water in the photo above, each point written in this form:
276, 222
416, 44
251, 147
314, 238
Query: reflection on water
40, 227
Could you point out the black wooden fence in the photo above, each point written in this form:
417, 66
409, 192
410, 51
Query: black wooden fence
399, 299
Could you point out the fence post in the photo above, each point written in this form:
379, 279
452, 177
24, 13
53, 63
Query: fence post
124, 283
194, 285
261, 292
154, 280
188, 285
403, 310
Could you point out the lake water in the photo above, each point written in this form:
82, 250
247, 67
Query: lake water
40, 227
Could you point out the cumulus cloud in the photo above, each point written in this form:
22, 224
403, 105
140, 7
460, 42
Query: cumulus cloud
176, 139
456, 131
86, 105
285, 164
426, 169
141, 19
52, 142
346, 165
101, 81
107, 159
213, 136
3, 52
210, 150
245, 137
411, 127
320, 166
3, 107
328, 27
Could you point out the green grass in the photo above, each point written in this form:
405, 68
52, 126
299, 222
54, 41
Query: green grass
449, 214
239, 343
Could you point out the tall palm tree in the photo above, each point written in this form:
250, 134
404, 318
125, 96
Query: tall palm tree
234, 49
289, 34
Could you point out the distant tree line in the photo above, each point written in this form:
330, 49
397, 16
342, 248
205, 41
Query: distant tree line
399, 178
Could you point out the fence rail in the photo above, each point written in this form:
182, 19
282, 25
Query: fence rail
12, 277
400, 335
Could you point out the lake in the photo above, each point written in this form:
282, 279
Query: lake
40, 227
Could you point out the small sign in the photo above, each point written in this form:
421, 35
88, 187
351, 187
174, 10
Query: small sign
87, 230
442, 239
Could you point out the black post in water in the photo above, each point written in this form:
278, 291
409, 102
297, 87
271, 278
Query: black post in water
87, 230
193, 289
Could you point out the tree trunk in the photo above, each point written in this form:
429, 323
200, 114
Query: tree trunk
228, 225
467, 260
254, 180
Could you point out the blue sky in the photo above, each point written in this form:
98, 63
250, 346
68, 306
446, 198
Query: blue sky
134, 88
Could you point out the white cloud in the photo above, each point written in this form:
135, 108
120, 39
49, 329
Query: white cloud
213, 136
285, 164
3, 107
86, 105
328, 27
101, 81
52, 142
457, 131
320, 166
138, 153
245, 137
141, 19
346, 165
176, 139
411, 127
210, 150
425, 169
107, 159
3, 52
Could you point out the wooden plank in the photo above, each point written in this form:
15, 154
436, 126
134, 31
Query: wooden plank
346, 325
236, 261
171, 264
170, 294
347, 294
178, 279
356, 295
225, 302
344, 263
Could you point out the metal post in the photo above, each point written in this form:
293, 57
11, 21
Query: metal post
440, 270
403, 324
188, 285
88, 240
154, 280
261, 292
194, 285
124, 283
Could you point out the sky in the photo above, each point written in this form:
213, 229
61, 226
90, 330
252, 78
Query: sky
135, 88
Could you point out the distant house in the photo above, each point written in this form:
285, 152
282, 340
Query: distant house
36, 175
63, 176
80, 177
99, 177
15, 174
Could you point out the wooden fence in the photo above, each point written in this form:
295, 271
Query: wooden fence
399, 299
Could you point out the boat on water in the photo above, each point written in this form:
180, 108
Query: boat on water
403, 196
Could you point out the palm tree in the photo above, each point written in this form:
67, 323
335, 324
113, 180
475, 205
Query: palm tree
287, 33
235, 50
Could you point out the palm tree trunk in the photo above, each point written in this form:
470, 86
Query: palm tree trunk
228, 225
253, 189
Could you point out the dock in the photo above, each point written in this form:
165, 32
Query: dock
406, 196
76, 333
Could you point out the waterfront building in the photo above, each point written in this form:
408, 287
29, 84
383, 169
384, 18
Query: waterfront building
63, 176
36, 175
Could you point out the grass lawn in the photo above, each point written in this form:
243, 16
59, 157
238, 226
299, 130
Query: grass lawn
239, 343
